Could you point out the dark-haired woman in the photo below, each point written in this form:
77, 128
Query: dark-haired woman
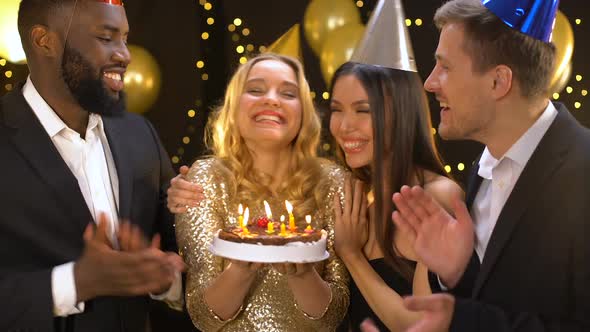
381, 121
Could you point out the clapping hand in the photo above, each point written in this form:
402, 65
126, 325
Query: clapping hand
442, 242
103, 271
351, 226
131, 239
369, 326
437, 312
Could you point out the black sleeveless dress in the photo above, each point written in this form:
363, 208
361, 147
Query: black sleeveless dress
359, 310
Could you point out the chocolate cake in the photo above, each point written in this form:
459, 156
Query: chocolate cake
257, 234
259, 242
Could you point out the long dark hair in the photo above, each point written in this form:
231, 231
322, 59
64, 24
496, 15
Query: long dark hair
403, 144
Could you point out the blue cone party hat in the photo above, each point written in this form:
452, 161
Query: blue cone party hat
534, 18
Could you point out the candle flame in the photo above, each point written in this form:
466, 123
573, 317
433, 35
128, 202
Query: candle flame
289, 207
246, 216
240, 209
282, 218
308, 219
267, 209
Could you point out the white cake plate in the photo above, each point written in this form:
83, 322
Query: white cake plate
294, 252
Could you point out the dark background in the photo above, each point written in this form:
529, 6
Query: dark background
171, 31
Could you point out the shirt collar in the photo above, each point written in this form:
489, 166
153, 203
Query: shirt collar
487, 163
46, 115
52, 123
95, 121
521, 151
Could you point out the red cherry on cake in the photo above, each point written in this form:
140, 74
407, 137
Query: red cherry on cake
262, 222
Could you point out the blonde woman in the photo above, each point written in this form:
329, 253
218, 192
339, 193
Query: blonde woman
263, 139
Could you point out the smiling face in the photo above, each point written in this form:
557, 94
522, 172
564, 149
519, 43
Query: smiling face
350, 121
463, 93
96, 56
270, 111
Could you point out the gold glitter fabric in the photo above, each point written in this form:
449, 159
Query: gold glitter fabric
269, 305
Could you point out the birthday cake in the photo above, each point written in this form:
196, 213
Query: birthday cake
261, 242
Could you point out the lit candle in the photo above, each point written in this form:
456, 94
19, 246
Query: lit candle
270, 227
240, 215
283, 230
245, 222
308, 229
267, 209
292, 226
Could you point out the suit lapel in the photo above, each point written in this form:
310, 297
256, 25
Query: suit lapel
31, 139
115, 132
547, 157
474, 184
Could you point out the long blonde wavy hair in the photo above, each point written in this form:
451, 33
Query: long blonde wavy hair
224, 140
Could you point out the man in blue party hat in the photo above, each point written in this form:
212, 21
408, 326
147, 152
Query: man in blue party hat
516, 257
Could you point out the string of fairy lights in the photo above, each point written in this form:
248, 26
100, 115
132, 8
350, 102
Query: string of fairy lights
242, 37
244, 47
7, 74
575, 87
201, 68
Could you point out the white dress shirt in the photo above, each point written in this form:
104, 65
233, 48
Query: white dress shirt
500, 176
90, 160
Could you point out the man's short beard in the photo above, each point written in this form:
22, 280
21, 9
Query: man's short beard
89, 90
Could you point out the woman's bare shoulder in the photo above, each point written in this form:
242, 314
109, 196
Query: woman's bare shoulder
443, 190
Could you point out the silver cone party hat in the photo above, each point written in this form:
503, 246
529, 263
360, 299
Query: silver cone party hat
386, 41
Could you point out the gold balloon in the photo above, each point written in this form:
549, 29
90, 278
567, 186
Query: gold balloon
10, 45
288, 43
324, 16
339, 48
142, 80
561, 82
563, 39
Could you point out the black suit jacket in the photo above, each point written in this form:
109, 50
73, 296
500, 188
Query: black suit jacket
535, 275
44, 214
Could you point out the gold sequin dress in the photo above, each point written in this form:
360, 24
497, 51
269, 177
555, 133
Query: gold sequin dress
269, 305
